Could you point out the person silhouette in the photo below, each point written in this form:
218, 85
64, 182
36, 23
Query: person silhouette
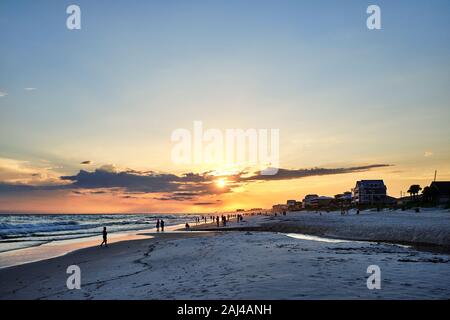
162, 225
105, 238
157, 225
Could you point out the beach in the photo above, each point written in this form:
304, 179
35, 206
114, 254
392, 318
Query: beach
428, 229
250, 263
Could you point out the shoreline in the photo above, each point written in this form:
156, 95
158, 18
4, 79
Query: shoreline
58, 248
252, 223
13, 278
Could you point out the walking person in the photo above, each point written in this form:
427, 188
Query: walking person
105, 238
217, 221
162, 225
157, 225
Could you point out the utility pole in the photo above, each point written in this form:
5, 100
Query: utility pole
435, 174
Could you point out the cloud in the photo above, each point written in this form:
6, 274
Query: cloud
108, 177
23, 172
86, 162
108, 168
20, 187
168, 186
91, 192
205, 203
30, 89
288, 174
3, 94
428, 154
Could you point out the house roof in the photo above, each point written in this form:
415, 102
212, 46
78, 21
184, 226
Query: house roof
367, 182
371, 181
442, 187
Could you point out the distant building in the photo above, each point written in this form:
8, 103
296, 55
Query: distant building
440, 191
279, 207
294, 205
344, 198
307, 201
369, 192
320, 202
291, 203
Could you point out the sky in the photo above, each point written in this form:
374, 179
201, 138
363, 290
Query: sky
86, 116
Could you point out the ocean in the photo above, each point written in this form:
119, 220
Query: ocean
18, 231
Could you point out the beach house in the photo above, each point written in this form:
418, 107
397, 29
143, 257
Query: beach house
321, 202
369, 192
440, 191
279, 207
307, 201
294, 205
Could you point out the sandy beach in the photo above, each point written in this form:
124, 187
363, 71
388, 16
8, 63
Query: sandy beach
46, 279
242, 264
428, 229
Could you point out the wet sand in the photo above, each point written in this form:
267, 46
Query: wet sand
46, 279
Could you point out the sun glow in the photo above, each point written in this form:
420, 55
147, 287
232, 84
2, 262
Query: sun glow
221, 182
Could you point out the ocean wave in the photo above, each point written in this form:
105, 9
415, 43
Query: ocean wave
40, 229
26, 228
48, 226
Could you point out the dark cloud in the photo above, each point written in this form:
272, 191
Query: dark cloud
129, 180
86, 162
130, 197
186, 187
288, 174
93, 192
16, 187
181, 196
204, 203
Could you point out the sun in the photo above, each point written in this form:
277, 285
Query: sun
221, 182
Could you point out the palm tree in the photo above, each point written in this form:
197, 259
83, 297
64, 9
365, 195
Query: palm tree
414, 190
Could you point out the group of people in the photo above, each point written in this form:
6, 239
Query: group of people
159, 224
204, 219
219, 220
226, 218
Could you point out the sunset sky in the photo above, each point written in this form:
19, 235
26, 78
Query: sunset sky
86, 116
